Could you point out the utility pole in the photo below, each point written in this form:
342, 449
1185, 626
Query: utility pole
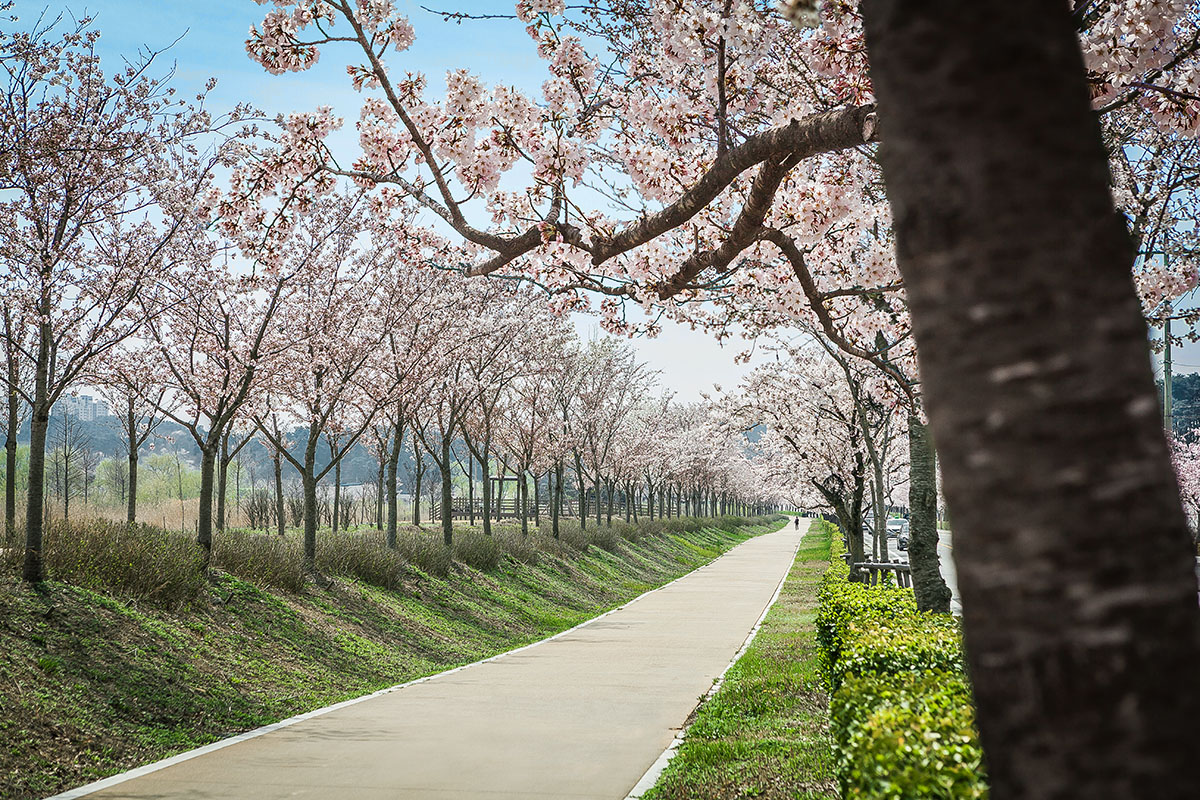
1168, 421
1168, 411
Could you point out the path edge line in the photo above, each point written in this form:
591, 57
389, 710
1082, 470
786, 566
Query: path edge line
651, 776
220, 744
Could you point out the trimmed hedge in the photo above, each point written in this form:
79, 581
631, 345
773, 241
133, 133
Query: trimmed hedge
908, 735
903, 720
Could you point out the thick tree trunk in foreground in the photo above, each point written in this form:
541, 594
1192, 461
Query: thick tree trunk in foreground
39, 424
1077, 571
337, 495
471, 488
556, 502
10, 481
419, 469
599, 507
222, 482
523, 500
10, 450
379, 492
928, 585
581, 488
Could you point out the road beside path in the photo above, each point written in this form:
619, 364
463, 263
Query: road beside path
580, 715
945, 551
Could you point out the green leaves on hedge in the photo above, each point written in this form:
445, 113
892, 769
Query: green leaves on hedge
903, 720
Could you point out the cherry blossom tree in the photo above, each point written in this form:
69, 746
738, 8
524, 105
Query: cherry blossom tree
334, 337
611, 383
129, 388
512, 369
211, 343
1185, 455
1010, 247
15, 409
100, 175
735, 143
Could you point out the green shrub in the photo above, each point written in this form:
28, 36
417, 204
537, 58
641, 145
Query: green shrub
482, 552
362, 555
909, 735
605, 538
424, 550
652, 527
902, 716
164, 568
260, 558
930, 642
523, 549
846, 607
572, 535
627, 531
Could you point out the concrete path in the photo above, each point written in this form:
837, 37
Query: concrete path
581, 715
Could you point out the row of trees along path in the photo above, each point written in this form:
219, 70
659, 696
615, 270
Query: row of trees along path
832, 175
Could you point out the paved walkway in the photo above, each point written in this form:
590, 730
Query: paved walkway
583, 715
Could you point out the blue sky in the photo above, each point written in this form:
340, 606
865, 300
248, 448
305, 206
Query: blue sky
499, 51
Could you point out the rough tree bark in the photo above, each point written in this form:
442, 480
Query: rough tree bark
447, 498
39, 423
928, 585
1077, 571
222, 481
581, 487
485, 463
471, 487
280, 521
556, 502
337, 496
12, 428
393, 484
419, 470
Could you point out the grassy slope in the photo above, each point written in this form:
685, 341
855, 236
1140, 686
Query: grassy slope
91, 685
765, 734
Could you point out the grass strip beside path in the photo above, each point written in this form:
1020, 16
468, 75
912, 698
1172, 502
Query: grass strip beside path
765, 734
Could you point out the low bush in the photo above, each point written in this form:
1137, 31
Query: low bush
652, 527
424, 550
917, 643
163, 568
847, 609
260, 558
363, 555
627, 531
571, 534
903, 721
523, 548
907, 735
475, 549
605, 538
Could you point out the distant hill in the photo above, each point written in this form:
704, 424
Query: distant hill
104, 435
